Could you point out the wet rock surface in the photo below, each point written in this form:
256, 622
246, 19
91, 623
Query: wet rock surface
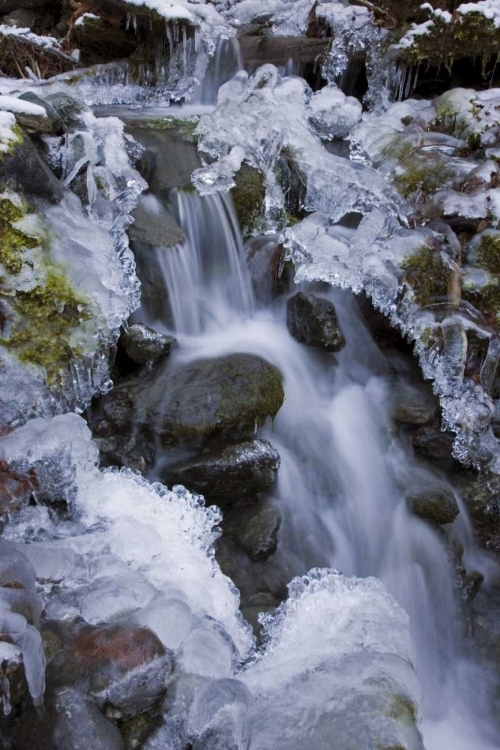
254, 529
229, 396
236, 473
436, 504
312, 320
143, 344
413, 405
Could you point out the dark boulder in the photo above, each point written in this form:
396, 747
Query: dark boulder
24, 170
225, 397
434, 503
430, 441
144, 345
254, 528
312, 320
413, 404
270, 274
236, 473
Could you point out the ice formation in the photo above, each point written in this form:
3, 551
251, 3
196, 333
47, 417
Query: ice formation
91, 244
265, 118
138, 550
337, 648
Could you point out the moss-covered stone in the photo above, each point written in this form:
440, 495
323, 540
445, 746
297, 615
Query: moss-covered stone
427, 274
420, 177
402, 710
13, 240
486, 299
45, 318
249, 195
488, 252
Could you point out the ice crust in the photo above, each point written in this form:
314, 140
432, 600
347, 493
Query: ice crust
257, 120
91, 244
137, 550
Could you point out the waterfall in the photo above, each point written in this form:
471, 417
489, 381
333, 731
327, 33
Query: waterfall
205, 277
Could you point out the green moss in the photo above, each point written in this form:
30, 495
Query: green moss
427, 274
270, 383
12, 240
424, 176
12, 143
402, 710
487, 299
249, 195
184, 127
45, 319
488, 253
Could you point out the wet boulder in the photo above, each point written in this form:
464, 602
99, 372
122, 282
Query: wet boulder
235, 473
254, 528
312, 320
270, 274
434, 503
223, 397
413, 404
23, 169
49, 123
124, 666
71, 721
430, 441
143, 344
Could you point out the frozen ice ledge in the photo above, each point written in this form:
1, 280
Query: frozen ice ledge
137, 554
410, 218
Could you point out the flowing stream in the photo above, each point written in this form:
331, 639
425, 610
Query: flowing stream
343, 477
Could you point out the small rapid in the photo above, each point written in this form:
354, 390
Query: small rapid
344, 473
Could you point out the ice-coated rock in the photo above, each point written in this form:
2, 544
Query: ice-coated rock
149, 542
339, 647
312, 320
144, 345
238, 473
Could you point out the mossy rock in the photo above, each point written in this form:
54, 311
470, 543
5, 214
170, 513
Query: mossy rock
41, 319
435, 504
419, 177
228, 397
249, 195
427, 274
487, 251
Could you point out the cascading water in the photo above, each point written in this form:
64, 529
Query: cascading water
344, 476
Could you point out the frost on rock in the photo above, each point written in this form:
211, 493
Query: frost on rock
68, 274
20, 641
261, 119
339, 653
132, 549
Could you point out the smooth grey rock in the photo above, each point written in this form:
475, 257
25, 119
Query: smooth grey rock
237, 473
51, 123
433, 503
254, 529
21, 18
312, 320
433, 443
144, 345
412, 404
226, 397
24, 169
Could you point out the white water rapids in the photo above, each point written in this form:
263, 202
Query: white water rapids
343, 476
